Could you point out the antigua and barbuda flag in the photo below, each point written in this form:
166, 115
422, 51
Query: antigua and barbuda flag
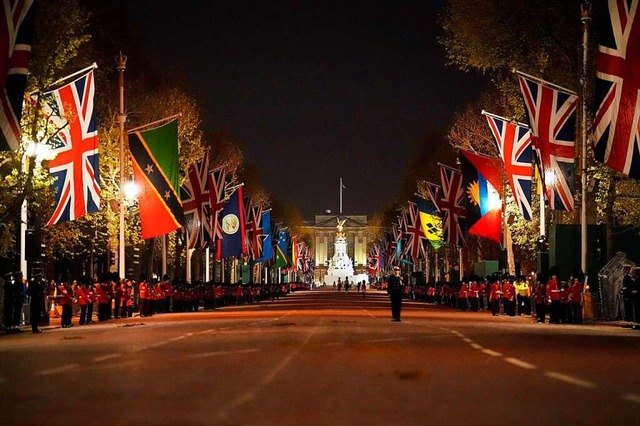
232, 224
154, 154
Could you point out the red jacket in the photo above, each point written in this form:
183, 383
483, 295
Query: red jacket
509, 291
575, 292
64, 295
495, 288
143, 290
553, 292
101, 294
81, 296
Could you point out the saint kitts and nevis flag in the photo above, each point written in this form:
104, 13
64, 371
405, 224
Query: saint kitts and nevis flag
154, 154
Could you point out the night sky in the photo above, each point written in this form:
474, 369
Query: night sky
314, 91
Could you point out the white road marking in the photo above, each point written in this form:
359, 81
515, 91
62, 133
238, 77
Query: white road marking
189, 334
467, 340
519, 363
631, 397
57, 370
177, 338
105, 357
570, 379
476, 346
155, 345
335, 344
491, 353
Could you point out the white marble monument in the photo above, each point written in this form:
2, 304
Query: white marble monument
340, 265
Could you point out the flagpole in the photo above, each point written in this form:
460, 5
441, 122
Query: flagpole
206, 264
340, 195
461, 264
586, 19
164, 255
121, 65
188, 265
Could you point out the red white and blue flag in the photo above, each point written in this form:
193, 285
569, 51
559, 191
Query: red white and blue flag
451, 205
16, 32
69, 111
255, 232
217, 200
552, 117
196, 204
616, 127
514, 144
415, 237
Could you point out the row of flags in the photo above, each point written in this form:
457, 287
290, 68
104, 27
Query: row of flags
469, 197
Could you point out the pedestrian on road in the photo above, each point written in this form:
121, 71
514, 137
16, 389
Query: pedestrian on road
395, 288
364, 289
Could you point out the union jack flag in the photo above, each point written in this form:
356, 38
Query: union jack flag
616, 127
374, 259
552, 116
255, 232
217, 200
514, 144
16, 31
300, 259
69, 110
395, 245
389, 249
435, 193
416, 239
197, 204
451, 205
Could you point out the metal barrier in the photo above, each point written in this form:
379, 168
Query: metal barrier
609, 307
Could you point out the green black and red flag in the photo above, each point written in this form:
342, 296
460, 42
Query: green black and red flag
154, 155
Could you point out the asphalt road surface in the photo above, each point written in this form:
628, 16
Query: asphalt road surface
322, 358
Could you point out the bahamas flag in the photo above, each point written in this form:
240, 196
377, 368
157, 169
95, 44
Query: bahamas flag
232, 223
267, 246
154, 154
281, 250
430, 222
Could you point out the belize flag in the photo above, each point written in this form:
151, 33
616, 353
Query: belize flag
233, 242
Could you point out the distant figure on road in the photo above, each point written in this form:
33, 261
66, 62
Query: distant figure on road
395, 288
364, 289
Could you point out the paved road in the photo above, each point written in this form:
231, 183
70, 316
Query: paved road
317, 358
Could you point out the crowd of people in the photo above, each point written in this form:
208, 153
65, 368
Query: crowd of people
111, 298
546, 298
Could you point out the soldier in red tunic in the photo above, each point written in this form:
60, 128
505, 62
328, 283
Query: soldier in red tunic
553, 294
66, 301
83, 300
509, 297
575, 299
494, 295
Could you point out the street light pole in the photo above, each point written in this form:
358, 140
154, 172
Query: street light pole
586, 19
121, 65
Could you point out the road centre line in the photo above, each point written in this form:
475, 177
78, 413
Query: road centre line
105, 357
220, 353
393, 339
57, 370
174, 339
467, 340
476, 346
519, 363
631, 397
491, 353
570, 379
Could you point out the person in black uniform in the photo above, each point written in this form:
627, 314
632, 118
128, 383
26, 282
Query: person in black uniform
35, 291
395, 288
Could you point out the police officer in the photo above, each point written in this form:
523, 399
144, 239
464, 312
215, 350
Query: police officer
395, 288
36, 290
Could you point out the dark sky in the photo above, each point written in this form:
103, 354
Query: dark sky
314, 91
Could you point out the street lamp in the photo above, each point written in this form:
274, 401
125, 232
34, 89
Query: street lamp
121, 65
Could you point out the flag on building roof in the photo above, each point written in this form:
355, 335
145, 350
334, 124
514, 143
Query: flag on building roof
430, 221
16, 30
552, 117
196, 204
451, 205
154, 155
74, 149
216, 199
482, 183
514, 144
266, 240
232, 223
616, 127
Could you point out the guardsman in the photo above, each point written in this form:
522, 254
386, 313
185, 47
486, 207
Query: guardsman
90, 291
142, 297
523, 295
463, 294
494, 295
553, 295
575, 299
168, 292
540, 298
66, 301
116, 291
395, 288
509, 297
473, 296
103, 301
82, 300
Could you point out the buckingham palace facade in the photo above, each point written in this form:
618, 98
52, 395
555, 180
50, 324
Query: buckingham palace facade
322, 234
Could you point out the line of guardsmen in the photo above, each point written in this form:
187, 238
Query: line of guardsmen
514, 296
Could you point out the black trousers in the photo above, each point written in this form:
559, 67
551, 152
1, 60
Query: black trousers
556, 311
116, 308
89, 313
103, 311
83, 315
541, 311
66, 315
35, 311
495, 306
396, 306
576, 312
524, 305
